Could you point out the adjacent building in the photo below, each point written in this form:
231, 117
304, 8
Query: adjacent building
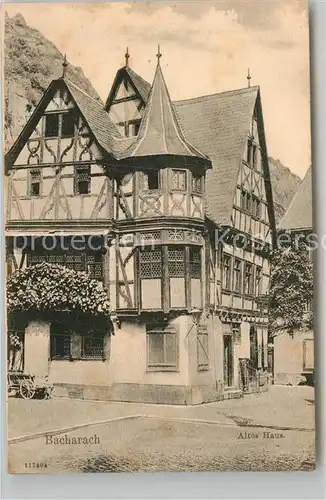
174, 205
294, 351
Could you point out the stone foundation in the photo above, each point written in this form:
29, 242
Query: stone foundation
145, 393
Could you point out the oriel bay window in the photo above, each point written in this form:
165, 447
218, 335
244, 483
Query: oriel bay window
170, 277
162, 348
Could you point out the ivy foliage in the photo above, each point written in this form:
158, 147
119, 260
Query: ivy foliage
50, 288
291, 290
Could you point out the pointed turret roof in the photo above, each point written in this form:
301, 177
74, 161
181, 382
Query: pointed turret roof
160, 132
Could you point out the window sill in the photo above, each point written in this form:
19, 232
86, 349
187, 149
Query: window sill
162, 368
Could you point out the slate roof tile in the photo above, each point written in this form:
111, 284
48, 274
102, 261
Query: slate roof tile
299, 214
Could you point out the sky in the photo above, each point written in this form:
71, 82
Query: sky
207, 47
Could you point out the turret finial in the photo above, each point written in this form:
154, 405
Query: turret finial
127, 55
159, 54
64, 66
249, 78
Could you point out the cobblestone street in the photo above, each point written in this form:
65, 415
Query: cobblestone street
258, 432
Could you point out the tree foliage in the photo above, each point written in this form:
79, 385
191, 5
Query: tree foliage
291, 291
48, 288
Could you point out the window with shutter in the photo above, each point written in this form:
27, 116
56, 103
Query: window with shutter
162, 348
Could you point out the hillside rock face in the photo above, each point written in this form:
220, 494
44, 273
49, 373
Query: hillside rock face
285, 184
32, 62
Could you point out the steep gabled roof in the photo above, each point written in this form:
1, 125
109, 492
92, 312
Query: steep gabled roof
98, 120
299, 214
141, 86
219, 125
95, 115
159, 132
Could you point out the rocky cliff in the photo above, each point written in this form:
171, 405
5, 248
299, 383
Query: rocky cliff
32, 61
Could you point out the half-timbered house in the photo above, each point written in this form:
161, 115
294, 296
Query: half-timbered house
171, 204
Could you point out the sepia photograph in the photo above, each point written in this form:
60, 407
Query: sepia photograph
159, 237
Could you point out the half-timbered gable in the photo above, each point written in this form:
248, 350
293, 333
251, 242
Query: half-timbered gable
57, 166
127, 99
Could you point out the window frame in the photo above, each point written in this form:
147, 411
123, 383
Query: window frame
237, 275
144, 177
83, 356
176, 261
71, 114
53, 346
225, 257
258, 270
179, 171
150, 250
77, 170
194, 187
256, 207
162, 329
245, 201
30, 183
250, 290
55, 114
194, 274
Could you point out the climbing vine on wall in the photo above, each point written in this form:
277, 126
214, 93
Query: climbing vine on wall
48, 288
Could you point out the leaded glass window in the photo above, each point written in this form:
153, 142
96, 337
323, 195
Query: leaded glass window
176, 262
179, 180
195, 263
150, 263
82, 180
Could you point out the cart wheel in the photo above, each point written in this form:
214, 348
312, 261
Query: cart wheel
26, 389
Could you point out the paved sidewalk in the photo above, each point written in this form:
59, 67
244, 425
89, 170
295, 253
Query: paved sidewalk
280, 407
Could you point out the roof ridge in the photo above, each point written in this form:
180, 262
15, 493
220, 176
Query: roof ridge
100, 103
195, 99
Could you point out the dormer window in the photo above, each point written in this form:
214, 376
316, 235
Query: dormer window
150, 180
